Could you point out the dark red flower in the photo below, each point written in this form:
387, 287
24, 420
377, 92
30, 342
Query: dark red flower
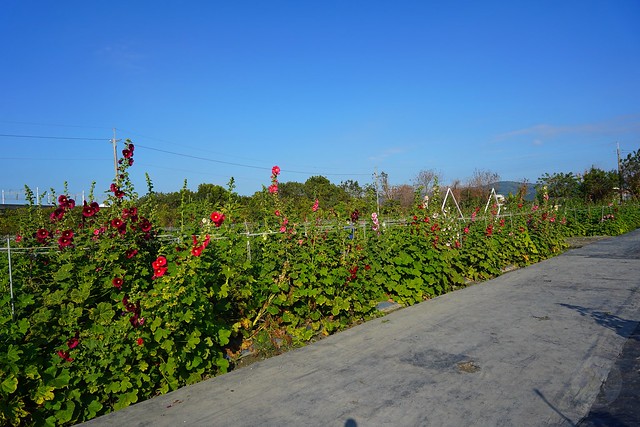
139, 341
119, 194
71, 204
65, 355
64, 241
73, 342
57, 214
62, 200
67, 234
42, 234
131, 253
145, 225
117, 282
87, 210
127, 154
116, 223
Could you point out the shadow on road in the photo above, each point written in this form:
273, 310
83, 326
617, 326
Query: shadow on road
623, 327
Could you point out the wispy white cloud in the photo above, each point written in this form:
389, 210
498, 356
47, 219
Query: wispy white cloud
121, 56
389, 152
541, 132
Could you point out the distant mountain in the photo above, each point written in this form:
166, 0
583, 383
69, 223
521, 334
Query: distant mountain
511, 187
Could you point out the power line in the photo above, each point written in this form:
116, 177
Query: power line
53, 137
183, 155
240, 164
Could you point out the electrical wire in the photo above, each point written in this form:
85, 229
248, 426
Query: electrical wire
53, 137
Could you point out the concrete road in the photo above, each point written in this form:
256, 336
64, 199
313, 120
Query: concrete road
530, 348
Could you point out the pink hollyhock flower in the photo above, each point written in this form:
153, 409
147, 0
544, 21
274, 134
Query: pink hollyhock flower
315, 206
273, 188
275, 171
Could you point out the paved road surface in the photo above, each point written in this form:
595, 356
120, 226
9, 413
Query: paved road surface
530, 348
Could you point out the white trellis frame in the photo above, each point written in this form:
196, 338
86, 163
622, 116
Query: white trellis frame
444, 202
499, 199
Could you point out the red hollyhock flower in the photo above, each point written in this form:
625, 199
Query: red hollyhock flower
64, 241
217, 218
126, 153
65, 355
207, 239
42, 234
119, 194
275, 171
117, 282
113, 188
131, 253
73, 342
197, 251
273, 188
62, 200
139, 341
57, 214
277, 212
95, 206
87, 210
68, 234
116, 223
145, 225
18, 238
159, 262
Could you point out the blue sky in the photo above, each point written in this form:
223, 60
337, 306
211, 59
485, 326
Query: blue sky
211, 89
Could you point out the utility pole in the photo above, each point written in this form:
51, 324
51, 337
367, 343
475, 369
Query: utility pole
375, 176
114, 141
620, 181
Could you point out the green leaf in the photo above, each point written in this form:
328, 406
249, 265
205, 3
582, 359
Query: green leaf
103, 313
63, 273
94, 407
43, 394
13, 353
10, 384
65, 415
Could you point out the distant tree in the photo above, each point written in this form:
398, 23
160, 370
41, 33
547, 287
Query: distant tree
352, 188
630, 167
598, 185
424, 180
478, 187
213, 194
559, 185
